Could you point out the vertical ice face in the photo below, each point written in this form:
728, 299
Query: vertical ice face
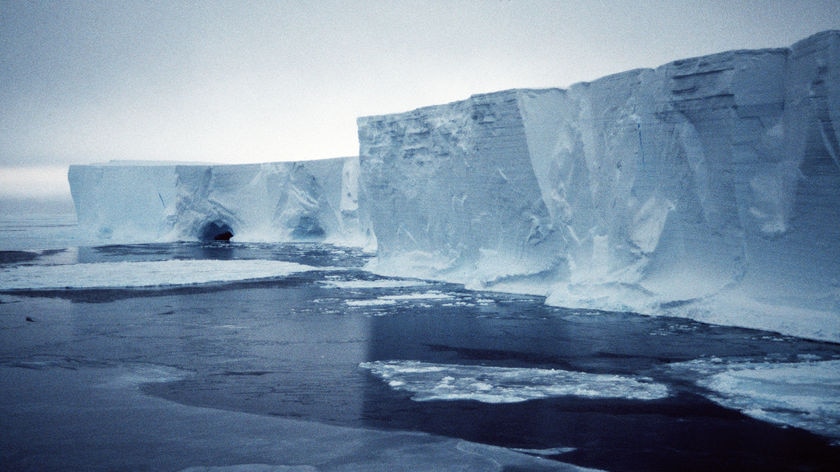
286, 201
450, 189
126, 202
802, 182
705, 180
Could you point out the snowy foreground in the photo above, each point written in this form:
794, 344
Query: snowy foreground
707, 188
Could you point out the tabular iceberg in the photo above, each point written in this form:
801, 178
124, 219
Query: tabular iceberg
708, 187
284, 201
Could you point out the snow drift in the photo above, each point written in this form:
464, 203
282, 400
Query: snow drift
708, 187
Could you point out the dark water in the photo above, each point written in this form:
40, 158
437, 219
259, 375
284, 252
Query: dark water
292, 347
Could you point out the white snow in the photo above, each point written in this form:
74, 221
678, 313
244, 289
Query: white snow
142, 274
432, 295
487, 384
804, 395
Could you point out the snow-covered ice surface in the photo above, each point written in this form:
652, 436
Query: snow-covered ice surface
380, 283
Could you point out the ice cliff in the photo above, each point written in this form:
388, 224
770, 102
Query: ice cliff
708, 187
285, 201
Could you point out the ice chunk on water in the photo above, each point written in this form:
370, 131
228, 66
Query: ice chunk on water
142, 274
706, 182
709, 178
487, 384
284, 201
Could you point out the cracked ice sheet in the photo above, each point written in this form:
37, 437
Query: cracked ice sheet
143, 274
99, 419
804, 395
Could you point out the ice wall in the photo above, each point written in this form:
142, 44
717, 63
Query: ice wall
309, 200
708, 187
451, 192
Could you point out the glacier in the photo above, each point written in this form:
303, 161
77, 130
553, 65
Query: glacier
706, 188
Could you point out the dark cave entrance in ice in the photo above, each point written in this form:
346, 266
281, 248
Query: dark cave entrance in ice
216, 231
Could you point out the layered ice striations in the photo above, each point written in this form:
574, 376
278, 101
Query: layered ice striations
708, 187
286, 201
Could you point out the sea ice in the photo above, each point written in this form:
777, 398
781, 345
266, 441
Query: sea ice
804, 395
487, 384
707, 188
142, 274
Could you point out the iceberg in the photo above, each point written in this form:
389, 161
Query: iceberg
283, 201
708, 188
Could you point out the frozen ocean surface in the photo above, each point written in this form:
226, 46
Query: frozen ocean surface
257, 356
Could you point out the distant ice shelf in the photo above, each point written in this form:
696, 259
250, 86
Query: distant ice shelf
163, 201
708, 187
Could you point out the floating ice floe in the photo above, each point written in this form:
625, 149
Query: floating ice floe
486, 384
373, 284
804, 395
142, 274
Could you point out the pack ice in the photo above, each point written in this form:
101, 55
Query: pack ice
708, 187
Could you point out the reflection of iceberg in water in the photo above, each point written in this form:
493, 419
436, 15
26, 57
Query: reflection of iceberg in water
708, 187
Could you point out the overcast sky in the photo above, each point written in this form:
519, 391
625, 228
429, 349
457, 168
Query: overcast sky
246, 81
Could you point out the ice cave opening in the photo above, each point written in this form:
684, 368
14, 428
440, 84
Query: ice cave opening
216, 231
